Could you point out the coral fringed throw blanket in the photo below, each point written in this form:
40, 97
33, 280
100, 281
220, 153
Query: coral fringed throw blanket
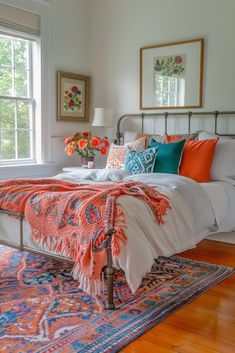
72, 219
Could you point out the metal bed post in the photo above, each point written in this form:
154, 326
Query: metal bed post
166, 116
216, 113
109, 270
21, 218
189, 122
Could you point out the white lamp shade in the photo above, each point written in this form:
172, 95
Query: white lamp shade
103, 117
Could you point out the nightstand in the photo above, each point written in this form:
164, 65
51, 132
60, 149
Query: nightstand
71, 169
74, 169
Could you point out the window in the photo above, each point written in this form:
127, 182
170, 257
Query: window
166, 91
169, 91
17, 101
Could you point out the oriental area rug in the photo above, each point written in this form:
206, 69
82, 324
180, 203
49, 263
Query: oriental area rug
42, 310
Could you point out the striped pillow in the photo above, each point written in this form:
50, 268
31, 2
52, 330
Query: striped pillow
116, 156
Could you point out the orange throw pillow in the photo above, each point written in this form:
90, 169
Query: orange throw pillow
172, 138
197, 159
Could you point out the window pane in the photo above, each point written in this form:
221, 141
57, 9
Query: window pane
7, 144
173, 81
172, 102
21, 83
165, 83
7, 114
16, 114
5, 51
6, 82
158, 99
23, 144
164, 99
21, 54
23, 115
158, 82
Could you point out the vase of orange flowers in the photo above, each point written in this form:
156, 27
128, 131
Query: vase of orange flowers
86, 145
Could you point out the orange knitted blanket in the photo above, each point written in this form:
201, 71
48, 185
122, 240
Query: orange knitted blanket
72, 219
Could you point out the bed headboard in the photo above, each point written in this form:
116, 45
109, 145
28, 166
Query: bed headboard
216, 116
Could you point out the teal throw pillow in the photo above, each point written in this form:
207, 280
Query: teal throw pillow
168, 156
140, 161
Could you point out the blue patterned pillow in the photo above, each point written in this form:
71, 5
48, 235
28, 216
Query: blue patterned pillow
140, 161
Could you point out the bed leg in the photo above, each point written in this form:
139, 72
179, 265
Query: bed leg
109, 271
21, 216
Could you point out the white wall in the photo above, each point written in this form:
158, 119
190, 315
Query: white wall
118, 28
70, 52
102, 38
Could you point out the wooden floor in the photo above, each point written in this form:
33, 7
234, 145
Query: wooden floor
207, 325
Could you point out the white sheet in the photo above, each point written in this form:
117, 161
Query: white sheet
99, 175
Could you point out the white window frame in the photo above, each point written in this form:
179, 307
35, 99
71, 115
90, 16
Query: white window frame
34, 98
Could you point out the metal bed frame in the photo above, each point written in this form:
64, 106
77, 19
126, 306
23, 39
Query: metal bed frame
109, 269
216, 114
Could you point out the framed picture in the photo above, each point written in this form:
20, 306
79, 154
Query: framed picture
171, 75
73, 97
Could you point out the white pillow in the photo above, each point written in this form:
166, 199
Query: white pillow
223, 165
205, 135
116, 156
129, 136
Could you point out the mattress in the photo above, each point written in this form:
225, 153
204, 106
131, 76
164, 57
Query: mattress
222, 197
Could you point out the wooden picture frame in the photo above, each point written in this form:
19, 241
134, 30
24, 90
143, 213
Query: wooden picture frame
180, 62
73, 97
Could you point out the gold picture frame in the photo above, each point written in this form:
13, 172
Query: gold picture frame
185, 58
73, 97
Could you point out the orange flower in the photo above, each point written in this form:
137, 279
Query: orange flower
82, 144
68, 140
103, 150
69, 150
95, 142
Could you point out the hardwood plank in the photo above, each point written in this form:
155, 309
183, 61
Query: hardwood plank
190, 336
144, 346
207, 325
199, 307
177, 343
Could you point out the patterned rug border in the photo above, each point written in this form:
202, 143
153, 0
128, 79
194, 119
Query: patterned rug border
229, 271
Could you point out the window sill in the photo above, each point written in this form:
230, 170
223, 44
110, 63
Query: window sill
28, 170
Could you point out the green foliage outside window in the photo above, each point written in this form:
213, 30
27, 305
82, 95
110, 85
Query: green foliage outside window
15, 114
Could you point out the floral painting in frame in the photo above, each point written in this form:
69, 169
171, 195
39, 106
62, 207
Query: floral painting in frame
171, 75
73, 97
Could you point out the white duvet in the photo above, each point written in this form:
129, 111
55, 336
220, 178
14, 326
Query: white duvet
190, 213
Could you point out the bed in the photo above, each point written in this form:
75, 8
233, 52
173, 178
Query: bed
197, 211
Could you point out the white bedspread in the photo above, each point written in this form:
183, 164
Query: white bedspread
190, 212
